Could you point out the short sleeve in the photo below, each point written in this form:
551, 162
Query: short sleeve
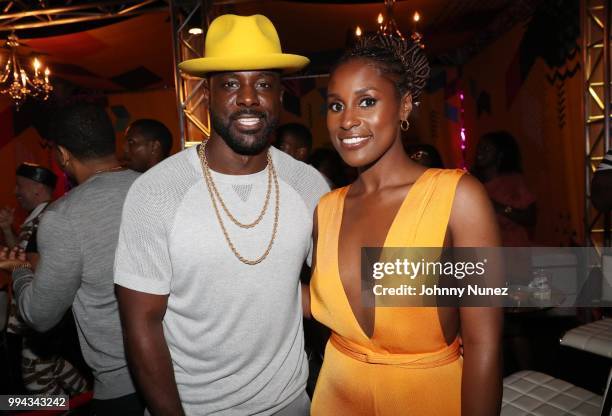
142, 260
320, 188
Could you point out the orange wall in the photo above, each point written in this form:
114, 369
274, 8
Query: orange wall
552, 155
28, 147
158, 104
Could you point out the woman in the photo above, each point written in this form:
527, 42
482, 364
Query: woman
498, 166
396, 202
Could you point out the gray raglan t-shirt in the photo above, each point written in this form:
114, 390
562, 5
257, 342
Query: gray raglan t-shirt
77, 238
234, 331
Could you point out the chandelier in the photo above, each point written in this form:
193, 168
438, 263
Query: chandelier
19, 82
388, 27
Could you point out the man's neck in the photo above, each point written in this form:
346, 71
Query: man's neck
91, 167
221, 158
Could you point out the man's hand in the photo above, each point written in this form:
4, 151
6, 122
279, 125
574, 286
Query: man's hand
7, 217
10, 259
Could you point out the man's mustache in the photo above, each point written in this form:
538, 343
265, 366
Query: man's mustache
247, 112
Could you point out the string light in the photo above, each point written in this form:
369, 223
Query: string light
462, 131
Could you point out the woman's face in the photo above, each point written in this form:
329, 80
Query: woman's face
363, 112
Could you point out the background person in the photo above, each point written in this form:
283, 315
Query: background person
499, 167
426, 155
41, 359
295, 139
77, 238
147, 142
34, 187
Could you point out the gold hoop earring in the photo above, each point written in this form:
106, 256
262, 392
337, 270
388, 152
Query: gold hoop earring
404, 125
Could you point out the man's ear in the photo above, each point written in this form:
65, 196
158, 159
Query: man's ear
64, 155
302, 152
156, 147
405, 106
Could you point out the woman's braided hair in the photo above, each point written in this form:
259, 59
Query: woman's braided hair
403, 58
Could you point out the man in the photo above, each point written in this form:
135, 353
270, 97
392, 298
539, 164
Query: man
212, 242
77, 239
42, 367
147, 142
33, 190
294, 139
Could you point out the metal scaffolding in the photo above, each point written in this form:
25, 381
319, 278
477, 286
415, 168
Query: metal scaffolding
35, 14
596, 21
189, 24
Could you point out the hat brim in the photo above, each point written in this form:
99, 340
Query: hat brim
286, 62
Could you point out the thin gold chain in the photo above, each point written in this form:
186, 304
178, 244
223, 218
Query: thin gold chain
218, 195
113, 169
210, 185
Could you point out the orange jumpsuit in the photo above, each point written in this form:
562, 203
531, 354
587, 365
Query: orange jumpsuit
406, 367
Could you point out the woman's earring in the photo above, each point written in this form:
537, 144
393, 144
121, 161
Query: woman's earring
404, 125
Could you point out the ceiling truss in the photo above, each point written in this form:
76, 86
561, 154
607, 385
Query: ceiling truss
34, 14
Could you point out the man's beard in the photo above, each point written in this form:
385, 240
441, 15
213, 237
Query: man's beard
244, 147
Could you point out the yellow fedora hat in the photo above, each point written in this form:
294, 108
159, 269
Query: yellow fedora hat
242, 43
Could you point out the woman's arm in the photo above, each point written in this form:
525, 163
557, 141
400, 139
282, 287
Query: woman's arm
306, 287
473, 224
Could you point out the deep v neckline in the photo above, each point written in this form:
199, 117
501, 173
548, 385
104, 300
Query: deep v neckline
338, 232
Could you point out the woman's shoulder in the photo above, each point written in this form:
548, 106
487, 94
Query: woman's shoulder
446, 180
334, 196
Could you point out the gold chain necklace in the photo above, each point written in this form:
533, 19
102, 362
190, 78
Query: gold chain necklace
214, 195
208, 176
113, 169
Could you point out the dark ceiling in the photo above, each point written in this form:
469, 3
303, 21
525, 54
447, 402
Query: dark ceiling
126, 45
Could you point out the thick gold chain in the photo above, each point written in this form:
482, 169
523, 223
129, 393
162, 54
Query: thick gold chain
214, 195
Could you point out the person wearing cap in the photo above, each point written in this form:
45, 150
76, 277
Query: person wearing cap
212, 242
42, 367
33, 190
77, 238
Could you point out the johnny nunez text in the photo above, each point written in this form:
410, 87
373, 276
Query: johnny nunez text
425, 290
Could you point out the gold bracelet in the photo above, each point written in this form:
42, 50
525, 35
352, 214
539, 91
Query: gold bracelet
27, 266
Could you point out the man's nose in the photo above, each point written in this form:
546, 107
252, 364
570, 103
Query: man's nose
247, 96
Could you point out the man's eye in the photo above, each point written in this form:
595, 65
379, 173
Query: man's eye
265, 85
367, 102
335, 107
230, 84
